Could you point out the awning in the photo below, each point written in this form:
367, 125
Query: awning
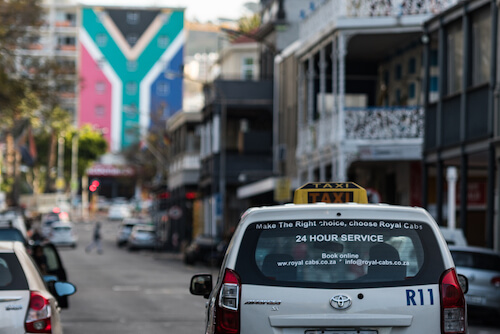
256, 188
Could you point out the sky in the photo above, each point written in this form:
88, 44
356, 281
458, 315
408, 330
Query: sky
202, 10
205, 10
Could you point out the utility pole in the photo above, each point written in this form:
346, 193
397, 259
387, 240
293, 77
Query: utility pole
74, 168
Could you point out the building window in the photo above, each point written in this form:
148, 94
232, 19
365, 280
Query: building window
130, 110
162, 89
131, 65
100, 87
398, 72
481, 47
133, 18
434, 84
411, 90
412, 65
100, 111
163, 41
101, 62
248, 68
398, 97
132, 39
455, 58
102, 40
434, 57
131, 88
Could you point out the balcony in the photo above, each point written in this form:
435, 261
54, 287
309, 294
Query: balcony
66, 47
363, 126
321, 15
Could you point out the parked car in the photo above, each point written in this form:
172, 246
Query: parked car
30, 303
15, 220
50, 218
119, 212
142, 237
13, 234
482, 268
205, 249
454, 237
63, 234
125, 229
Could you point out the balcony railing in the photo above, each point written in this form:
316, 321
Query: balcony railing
383, 123
321, 14
362, 125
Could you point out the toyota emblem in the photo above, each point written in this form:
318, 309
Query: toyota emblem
341, 302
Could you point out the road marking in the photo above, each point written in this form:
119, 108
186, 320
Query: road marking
120, 288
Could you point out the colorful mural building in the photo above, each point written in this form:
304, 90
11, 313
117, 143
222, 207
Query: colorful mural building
130, 67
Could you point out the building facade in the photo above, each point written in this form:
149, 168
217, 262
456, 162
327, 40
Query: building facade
130, 65
461, 114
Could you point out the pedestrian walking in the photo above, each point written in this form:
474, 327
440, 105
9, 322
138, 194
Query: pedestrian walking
96, 239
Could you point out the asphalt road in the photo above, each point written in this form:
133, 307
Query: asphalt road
129, 292
139, 292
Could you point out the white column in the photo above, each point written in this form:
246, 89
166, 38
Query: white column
310, 90
342, 163
322, 82
451, 177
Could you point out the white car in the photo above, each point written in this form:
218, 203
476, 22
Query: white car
27, 304
119, 212
12, 219
63, 234
335, 267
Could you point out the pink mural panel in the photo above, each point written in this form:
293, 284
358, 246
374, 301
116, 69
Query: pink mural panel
95, 95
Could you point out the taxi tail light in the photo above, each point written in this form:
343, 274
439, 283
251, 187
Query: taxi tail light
227, 318
453, 307
495, 281
38, 315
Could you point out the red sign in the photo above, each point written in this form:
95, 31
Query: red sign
476, 193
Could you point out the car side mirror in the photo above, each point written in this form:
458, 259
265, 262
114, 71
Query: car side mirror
61, 289
463, 282
201, 285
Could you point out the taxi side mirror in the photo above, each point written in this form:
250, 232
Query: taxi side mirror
201, 285
464, 283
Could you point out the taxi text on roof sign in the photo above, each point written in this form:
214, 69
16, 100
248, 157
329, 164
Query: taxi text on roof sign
330, 192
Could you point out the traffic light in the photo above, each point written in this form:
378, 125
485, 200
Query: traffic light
94, 185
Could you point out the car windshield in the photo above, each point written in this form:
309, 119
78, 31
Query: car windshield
317, 253
11, 234
62, 228
476, 260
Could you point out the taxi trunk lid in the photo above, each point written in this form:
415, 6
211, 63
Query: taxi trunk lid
375, 310
13, 308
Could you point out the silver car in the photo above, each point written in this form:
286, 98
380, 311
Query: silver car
28, 304
481, 266
142, 237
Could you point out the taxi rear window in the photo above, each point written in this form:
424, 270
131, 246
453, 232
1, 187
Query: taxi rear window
342, 253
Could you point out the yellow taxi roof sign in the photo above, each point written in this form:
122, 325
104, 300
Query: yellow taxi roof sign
330, 192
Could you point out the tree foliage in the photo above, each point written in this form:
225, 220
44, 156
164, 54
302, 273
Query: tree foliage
91, 145
249, 24
18, 20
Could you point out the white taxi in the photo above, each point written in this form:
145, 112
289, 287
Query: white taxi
335, 265
27, 303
